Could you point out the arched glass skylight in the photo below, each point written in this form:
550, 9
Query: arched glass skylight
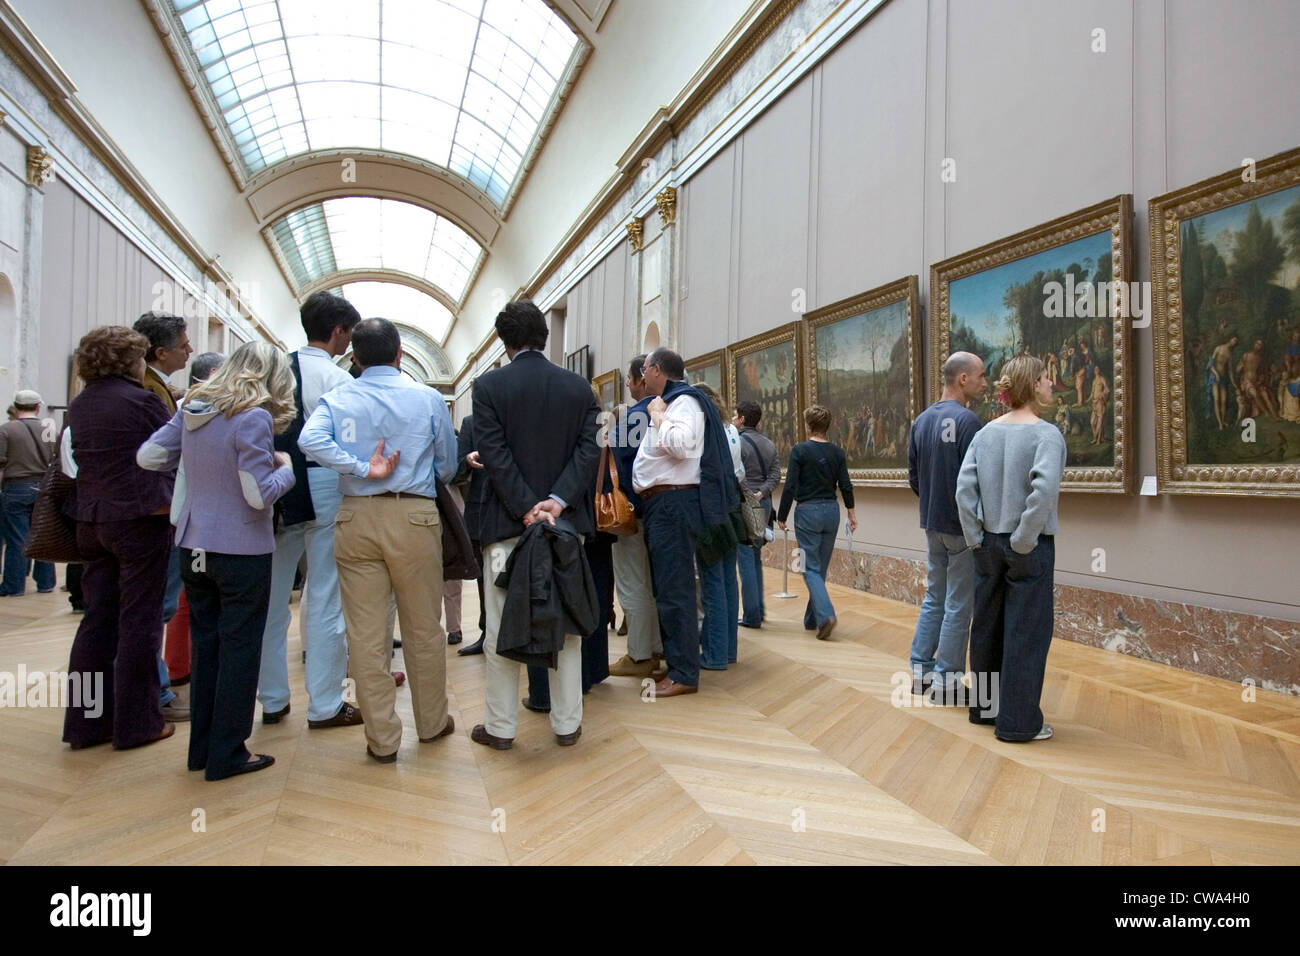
398, 303
362, 232
464, 84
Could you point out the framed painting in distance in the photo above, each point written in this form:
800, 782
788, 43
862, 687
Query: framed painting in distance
711, 369
609, 387
764, 368
1062, 291
862, 360
579, 362
1225, 269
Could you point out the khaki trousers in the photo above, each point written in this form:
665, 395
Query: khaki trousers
393, 546
636, 595
501, 713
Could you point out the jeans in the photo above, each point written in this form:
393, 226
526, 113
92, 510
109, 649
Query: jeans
672, 522
1011, 633
944, 623
123, 576
228, 594
750, 560
721, 599
18, 498
323, 631
171, 601
815, 526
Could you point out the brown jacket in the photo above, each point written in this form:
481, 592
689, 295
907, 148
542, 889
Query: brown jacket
154, 381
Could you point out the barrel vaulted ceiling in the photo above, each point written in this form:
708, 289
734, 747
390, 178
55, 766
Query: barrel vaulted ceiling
379, 143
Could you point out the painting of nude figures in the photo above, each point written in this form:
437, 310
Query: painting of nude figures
1061, 292
863, 362
765, 369
1228, 344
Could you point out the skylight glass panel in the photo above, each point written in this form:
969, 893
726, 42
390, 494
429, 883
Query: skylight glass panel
359, 232
399, 303
463, 84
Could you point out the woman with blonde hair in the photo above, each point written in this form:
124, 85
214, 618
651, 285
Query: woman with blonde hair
224, 432
1007, 493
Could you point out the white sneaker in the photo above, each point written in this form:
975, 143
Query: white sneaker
1045, 733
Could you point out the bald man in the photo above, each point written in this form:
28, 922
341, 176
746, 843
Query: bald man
935, 449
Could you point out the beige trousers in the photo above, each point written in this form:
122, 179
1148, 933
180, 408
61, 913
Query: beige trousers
393, 546
636, 595
501, 714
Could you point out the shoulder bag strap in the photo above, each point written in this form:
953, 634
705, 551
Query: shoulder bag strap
39, 445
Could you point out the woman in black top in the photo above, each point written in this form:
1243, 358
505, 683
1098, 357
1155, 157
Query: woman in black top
816, 466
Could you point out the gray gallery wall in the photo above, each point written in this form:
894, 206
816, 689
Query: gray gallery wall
836, 189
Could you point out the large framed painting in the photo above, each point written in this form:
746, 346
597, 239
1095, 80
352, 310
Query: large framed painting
1062, 291
765, 369
1225, 267
608, 387
862, 360
711, 369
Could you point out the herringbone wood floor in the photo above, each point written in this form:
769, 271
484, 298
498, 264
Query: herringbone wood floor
795, 755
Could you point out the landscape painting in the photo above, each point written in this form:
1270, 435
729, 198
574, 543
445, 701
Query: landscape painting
765, 369
709, 369
1228, 347
1060, 292
863, 364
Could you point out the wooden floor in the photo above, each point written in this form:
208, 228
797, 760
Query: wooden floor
795, 755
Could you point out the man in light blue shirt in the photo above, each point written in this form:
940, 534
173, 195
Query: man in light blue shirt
387, 534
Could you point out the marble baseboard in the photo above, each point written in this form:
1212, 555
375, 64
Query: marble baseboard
1205, 640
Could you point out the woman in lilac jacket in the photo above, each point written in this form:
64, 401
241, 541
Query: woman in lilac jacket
223, 432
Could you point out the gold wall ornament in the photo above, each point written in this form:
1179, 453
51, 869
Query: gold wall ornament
3, 116
1086, 470
1255, 451
636, 234
666, 200
40, 166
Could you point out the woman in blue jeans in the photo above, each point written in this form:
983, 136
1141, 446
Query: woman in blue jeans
719, 587
816, 467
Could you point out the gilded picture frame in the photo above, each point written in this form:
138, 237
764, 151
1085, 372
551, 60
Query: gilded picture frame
1223, 425
609, 386
848, 356
1025, 284
711, 367
767, 368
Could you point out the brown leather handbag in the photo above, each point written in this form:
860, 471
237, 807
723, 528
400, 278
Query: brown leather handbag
613, 510
53, 535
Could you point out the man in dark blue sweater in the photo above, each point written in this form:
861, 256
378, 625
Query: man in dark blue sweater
938, 442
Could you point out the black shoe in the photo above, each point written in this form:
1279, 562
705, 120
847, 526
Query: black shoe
753, 626
274, 717
381, 758
261, 762
475, 648
397, 642
454, 637
535, 710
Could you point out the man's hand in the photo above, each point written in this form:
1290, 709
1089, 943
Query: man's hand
657, 408
282, 459
472, 460
382, 466
780, 526
546, 510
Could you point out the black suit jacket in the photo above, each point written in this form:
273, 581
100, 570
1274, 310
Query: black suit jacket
535, 432
475, 477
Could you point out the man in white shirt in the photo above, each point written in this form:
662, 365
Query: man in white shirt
666, 476
306, 526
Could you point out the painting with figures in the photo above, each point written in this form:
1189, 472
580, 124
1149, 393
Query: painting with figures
765, 369
862, 360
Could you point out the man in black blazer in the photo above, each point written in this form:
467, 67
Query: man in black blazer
471, 470
535, 433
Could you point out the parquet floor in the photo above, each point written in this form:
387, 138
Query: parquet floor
797, 754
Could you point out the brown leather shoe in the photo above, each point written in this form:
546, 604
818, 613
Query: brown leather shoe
568, 740
480, 736
824, 631
348, 716
451, 725
625, 666
535, 710
670, 688
382, 758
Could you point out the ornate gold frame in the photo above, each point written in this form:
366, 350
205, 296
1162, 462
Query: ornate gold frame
1167, 214
717, 357
790, 332
1115, 215
902, 290
603, 379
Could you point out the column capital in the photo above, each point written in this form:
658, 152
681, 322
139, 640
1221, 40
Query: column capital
636, 234
40, 166
666, 200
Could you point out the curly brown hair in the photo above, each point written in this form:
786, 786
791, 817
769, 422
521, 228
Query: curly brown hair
108, 351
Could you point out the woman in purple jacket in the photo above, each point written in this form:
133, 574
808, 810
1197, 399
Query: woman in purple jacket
224, 433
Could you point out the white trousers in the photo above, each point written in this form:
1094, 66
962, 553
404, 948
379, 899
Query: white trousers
502, 704
636, 595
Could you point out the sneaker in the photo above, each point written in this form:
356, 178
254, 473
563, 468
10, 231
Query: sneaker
1045, 733
175, 712
626, 667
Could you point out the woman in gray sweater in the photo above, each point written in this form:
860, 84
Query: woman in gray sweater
1007, 491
